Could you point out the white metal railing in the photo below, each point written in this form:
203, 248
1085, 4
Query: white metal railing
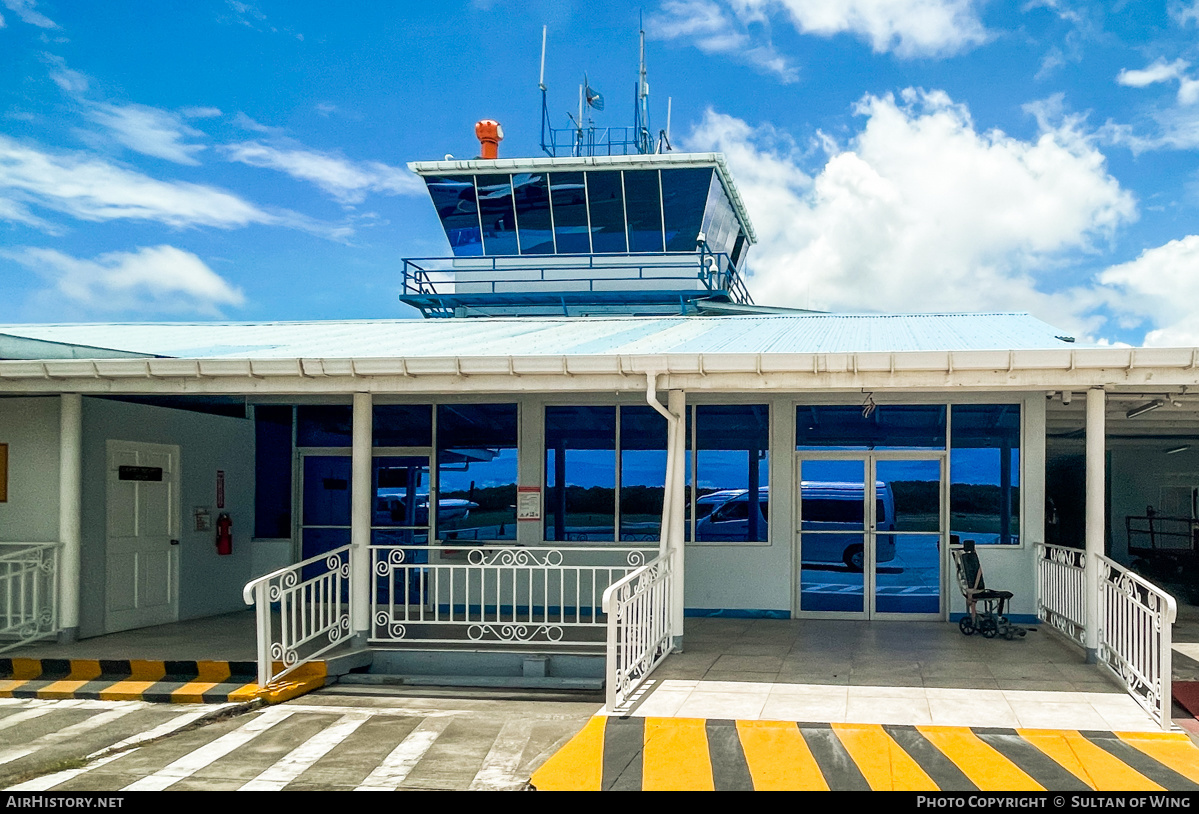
303, 611
1134, 636
28, 593
1061, 590
494, 594
639, 629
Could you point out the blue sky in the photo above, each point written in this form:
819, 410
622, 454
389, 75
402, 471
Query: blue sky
220, 159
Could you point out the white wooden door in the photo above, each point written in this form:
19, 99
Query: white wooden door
142, 562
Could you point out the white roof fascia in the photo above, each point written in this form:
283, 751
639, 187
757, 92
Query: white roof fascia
578, 163
1078, 368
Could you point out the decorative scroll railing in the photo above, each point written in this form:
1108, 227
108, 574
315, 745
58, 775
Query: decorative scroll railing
639, 631
303, 611
495, 595
1061, 590
1134, 636
28, 593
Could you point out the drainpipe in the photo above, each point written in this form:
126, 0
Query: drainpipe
360, 516
70, 508
1096, 510
674, 499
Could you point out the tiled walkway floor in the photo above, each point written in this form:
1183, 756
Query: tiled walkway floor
905, 673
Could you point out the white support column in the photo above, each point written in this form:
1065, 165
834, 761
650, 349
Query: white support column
360, 515
676, 451
70, 497
1096, 511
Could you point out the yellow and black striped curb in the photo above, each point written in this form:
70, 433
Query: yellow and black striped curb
675, 754
174, 682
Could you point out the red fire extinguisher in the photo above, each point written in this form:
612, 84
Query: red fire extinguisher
224, 534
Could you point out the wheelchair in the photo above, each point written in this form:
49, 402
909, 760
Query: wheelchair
986, 607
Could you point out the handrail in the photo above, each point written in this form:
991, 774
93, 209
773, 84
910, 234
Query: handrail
28, 593
1135, 637
310, 611
714, 271
638, 608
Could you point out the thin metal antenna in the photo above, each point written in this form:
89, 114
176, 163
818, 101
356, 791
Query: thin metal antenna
541, 77
669, 99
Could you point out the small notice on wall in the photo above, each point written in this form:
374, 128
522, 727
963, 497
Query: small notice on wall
528, 503
3, 473
220, 488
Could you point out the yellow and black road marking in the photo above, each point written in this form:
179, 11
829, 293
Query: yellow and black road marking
612, 754
176, 682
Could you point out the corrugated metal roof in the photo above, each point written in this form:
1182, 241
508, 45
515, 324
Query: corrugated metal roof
530, 336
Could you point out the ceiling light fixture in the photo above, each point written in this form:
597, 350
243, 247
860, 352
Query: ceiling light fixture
1141, 409
1176, 450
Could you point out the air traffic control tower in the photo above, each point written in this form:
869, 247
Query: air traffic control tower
614, 226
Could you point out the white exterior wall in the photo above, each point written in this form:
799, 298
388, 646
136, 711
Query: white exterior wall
30, 428
208, 584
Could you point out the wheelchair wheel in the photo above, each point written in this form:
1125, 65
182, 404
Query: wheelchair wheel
988, 628
966, 625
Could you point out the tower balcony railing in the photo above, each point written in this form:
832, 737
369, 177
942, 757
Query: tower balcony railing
704, 273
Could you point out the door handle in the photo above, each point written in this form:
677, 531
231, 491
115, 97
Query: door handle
174, 542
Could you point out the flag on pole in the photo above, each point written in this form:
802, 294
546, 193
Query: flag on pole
594, 98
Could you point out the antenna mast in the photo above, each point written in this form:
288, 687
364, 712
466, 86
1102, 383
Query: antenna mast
645, 142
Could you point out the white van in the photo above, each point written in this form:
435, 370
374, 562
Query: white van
827, 506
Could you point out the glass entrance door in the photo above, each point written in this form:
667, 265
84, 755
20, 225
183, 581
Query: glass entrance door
870, 531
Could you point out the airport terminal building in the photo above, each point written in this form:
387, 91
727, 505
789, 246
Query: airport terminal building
593, 434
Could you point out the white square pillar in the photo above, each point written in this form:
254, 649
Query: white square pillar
360, 514
1096, 512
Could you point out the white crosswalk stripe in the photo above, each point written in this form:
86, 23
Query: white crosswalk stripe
403, 759
293, 764
499, 767
192, 762
479, 752
73, 731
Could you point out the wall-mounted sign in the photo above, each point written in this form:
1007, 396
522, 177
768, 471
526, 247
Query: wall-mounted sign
220, 488
143, 473
3, 473
203, 518
528, 503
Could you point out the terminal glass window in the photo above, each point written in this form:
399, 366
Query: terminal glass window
643, 197
642, 473
684, 192
532, 194
272, 470
569, 196
580, 473
890, 426
499, 219
984, 474
605, 198
402, 425
731, 487
324, 425
476, 471
458, 210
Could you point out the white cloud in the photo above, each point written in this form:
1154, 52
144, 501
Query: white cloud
1184, 13
921, 212
716, 29
1161, 71
907, 28
72, 82
346, 181
25, 11
160, 279
1160, 287
149, 130
910, 28
88, 188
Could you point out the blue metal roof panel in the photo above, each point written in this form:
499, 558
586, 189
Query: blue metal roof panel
534, 336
